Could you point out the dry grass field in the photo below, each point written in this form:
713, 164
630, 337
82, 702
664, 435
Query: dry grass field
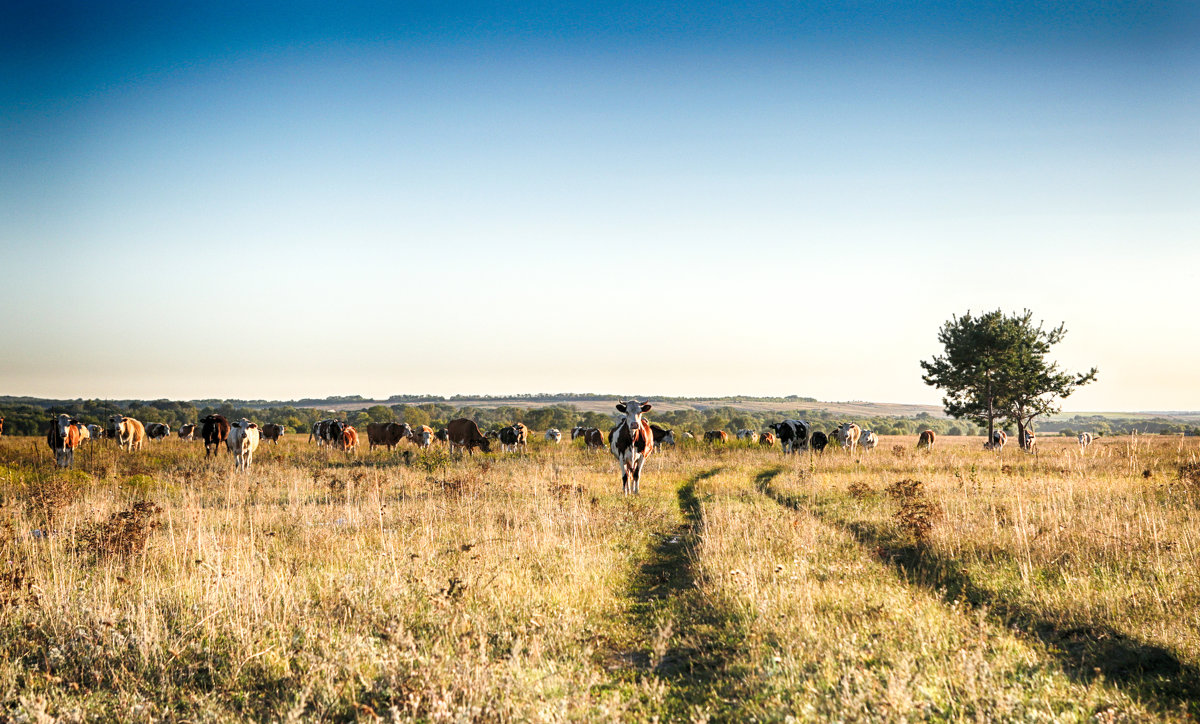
741, 585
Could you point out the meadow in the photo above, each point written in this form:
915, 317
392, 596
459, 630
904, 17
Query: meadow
895, 585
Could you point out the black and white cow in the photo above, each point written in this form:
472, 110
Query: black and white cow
792, 434
662, 436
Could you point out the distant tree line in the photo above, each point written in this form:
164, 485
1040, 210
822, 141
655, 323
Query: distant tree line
30, 416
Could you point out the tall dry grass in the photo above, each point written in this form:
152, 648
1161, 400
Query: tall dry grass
161, 585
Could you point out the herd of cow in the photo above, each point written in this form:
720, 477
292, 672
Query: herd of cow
630, 442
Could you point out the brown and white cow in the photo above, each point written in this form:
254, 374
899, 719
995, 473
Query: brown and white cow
63, 437
422, 436
464, 433
631, 442
1, 425
1029, 442
554, 435
271, 432
157, 431
214, 429
767, 439
926, 439
716, 436
848, 435
389, 434
187, 431
242, 442
128, 432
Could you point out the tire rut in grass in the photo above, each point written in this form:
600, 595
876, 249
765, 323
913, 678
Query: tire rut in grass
684, 639
1085, 650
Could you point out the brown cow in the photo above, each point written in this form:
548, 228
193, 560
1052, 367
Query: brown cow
271, 432
387, 433
215, 431
465, 433
187, 431
767, 439
129, 433
1, 425
63, 437
716, 436
349, 439
926, 439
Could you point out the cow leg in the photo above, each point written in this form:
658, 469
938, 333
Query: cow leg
637, 477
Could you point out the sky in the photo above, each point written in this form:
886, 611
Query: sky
282, 200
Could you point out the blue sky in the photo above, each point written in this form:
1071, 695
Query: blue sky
299, 199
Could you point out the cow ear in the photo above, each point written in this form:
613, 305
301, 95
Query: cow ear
621, 406
646, 407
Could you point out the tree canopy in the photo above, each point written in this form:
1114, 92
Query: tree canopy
996, 365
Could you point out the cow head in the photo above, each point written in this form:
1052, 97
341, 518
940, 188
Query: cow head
64, 422
633, 412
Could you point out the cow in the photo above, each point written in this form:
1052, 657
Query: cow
388, 434
187, 431
63, 438
593, 437
818, 441
716, 436
688, 436
554, 435
129, 433
631, 442
1028, 441
443, 434
869, 440
85, 435
422, 436
792, 434
1085, 439
513, 437
926, 439
95, 432
767, 439
848, 436
242, 441
327, 432
577, 431
465, 433
748, 435
662, 436
157, 430
998, 441
214, 430
271, 432
348, 440
1, 425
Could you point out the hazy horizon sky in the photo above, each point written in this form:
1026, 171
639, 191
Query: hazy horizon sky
286, 200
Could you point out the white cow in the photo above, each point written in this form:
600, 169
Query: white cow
869, 440
242, 442
1085, 439
554, 435
750, 435
95, 432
